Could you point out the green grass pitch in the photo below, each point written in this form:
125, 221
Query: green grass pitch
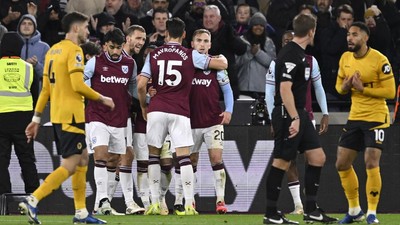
207, 219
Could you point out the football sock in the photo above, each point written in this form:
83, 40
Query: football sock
51, 183
274, 181
78, 180
349, 181
143, 182
81, 213
219, 181
112, 182
294, 188
373, 188
126, 179
311, 181
166, 177
178, 187
101, 179
154, 178
187, 178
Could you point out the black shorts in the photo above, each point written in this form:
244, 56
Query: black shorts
287, 148
70, 138
358, 135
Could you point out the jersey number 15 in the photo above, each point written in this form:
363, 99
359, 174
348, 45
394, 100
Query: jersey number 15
169, 71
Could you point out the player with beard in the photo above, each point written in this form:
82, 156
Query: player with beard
113, 74
367, 74
171, 68
63, 84
135, 39
207, 120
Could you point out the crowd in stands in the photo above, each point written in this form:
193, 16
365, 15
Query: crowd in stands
247, 32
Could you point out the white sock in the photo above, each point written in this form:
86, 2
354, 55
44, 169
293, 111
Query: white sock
219, 184
355, 211
112, 184
126, 180
164, 183
295, 192
154, 182
143, 186
101, 178
32, 200
187, 183
178, 190
373, 212
81, 213
96, 203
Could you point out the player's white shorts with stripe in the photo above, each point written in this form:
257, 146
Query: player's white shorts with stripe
213, 137
159, 124
113, 137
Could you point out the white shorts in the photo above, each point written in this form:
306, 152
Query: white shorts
87, 139
212, 136
159, 124
128, 133
140, 147
103, 135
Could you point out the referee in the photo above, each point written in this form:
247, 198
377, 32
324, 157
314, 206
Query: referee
293, 128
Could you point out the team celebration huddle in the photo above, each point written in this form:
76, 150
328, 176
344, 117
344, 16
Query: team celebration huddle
162, 112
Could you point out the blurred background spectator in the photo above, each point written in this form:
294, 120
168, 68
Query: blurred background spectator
12, 10
254, 64
49, 24
224, 41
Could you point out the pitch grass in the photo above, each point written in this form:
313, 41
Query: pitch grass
209, 219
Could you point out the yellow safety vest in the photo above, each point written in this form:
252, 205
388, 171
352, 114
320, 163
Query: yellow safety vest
16, 78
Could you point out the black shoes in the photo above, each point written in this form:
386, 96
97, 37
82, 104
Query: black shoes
319, 216
278, 219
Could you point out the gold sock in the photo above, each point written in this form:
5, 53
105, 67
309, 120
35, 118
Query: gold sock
373, 187
51, 183
350, 185
79, 187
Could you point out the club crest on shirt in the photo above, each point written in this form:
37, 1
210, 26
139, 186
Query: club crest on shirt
206, 72
386, 69
78, 57
125, 69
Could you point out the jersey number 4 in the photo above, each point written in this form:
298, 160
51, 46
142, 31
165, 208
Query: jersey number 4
50, 73
169, 71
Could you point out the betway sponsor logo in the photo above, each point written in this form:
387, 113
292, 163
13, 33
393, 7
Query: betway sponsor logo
205, 82
114, 80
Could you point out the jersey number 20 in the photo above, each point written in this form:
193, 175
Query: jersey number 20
170, 71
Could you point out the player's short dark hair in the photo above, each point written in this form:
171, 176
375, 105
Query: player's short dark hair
175, 27
72, 18
134, 28
362, 27
115, 36
91, 48
303, 23
160, 10
201, 31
